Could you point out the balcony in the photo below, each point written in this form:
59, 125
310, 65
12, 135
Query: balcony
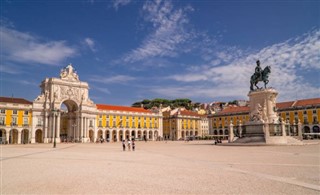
25, 125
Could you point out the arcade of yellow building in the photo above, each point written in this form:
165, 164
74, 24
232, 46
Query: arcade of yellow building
64, 112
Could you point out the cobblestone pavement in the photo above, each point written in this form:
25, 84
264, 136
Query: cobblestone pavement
195, 167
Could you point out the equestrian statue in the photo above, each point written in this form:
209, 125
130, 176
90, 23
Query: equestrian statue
260, 75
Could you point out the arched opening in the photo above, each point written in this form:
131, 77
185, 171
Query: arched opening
196, 133
2, 136
127, 134
13, 136
187, 133
226, 132
145, 135
150, 135
39, 138
69, 129
25, 136
306, 129
220, 132
183, 134
91, 137
139, 134
215, 132
99, 135
316, 129
107, 135
114, 133
133, 134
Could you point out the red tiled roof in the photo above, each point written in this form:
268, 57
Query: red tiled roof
189, 113
235, 109
308, 102
14, 100
282, 105
121, 108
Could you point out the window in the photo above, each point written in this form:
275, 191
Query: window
25, 121
14, 121
26, 112
100, 123
295, 113
100, 116
127, 124
14, 112
114, 123
287, 113
39, 121
314, 111
2, 111
305, 112
2, 119
90, 123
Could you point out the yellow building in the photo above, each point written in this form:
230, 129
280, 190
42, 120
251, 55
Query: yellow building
64, 112
181, 124
305, 111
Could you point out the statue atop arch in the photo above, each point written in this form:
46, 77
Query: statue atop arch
69, 73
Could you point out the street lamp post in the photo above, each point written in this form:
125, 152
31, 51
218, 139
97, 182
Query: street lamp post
55, 114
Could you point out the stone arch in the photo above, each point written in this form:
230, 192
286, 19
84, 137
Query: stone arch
13, 136
25, 136
121, 135
315, 129
145, 135
139, 134
226, 132
133, 134
3, 136
91, 135
215, 132
39, 136
220, 132
127, 134
306, 129
114, 135
99, 135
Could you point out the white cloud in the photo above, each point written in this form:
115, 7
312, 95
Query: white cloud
118, 3
112, 79
24, 47
168, 35
10, 69
288, 60
90, 43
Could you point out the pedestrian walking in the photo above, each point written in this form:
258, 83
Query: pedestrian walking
133, 145
123, 145
129, 144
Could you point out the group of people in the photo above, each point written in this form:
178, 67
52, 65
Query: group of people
129, 143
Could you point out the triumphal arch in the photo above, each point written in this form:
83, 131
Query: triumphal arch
64, 107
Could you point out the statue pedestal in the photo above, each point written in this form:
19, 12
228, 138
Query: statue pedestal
262, 103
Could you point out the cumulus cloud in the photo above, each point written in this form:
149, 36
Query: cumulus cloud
24, 47
168, 33
288, 61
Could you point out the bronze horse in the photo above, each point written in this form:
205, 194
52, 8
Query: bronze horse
263, 77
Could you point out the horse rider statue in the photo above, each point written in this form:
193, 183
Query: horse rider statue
260, 75
258, 70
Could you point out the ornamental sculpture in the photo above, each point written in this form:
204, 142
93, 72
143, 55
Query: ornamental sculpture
260, 75
69, 73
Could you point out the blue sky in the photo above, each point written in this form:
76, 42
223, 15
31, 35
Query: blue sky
133, 50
